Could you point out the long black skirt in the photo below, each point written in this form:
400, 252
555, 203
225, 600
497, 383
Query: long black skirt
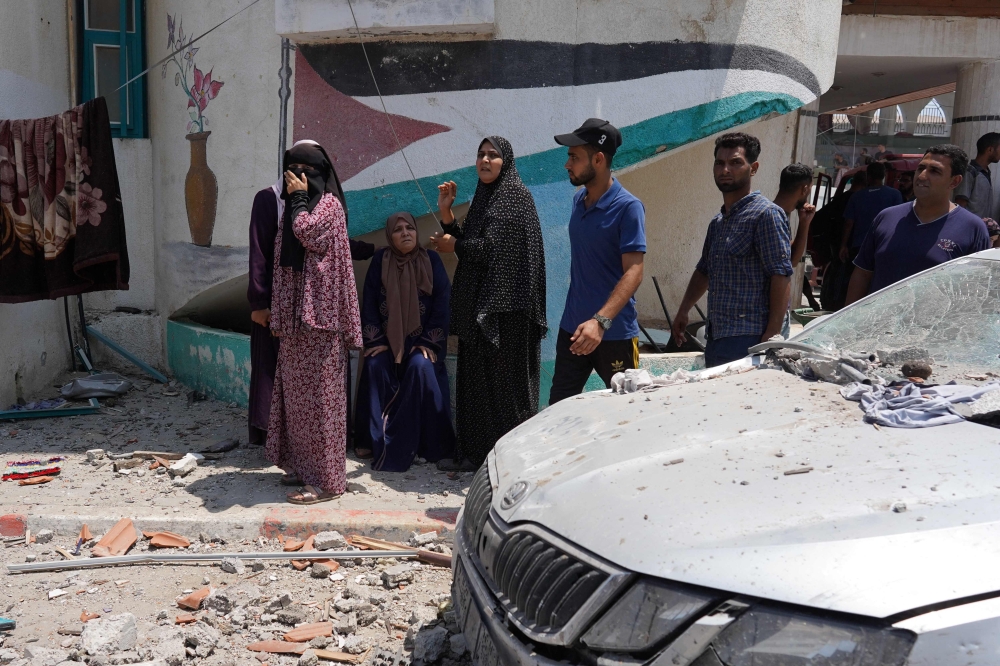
496, 387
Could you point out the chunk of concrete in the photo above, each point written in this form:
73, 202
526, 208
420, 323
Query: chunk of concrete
44, 536
429, 645
329, 541
292, 615
185, 465
458, 645
394, 576
309, 658
356, 645
95, 454
424, 539
233, 565
107, 635
41, 656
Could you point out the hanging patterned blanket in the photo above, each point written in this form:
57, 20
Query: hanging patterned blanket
62, 230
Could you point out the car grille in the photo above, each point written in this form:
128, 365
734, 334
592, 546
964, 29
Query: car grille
542, 586
477, 506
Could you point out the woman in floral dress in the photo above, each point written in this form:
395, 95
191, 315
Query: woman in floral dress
314, 310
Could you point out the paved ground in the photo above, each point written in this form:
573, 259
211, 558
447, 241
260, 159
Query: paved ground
238, 503
236, 496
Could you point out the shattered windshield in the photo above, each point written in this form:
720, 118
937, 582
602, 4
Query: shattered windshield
952, 312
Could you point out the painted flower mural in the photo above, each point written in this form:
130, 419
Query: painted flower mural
201, 189
197, 85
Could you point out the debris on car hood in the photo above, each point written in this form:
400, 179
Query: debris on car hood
730, 518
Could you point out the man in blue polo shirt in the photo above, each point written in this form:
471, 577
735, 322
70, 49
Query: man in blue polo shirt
599, 329
913, 237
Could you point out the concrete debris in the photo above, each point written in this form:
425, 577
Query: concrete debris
899, 507
428, 646
43, 536
94, 455
233, 565
185, 465
356, 645
898, 356
399, 574
110, 634
421, 540
920, 369
309, 658
41, 656
321, 569
423, 616
329, 541
202, 638
457, 645
291, 616
357, 487
284, 600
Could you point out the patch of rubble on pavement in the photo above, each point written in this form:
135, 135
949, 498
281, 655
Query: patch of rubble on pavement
379, 611
364, 611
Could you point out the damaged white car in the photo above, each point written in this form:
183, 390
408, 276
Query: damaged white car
754, 518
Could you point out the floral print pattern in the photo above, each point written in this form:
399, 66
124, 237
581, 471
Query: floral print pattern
44, 192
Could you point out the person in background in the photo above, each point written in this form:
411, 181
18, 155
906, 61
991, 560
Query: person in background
404, 404
497, 303
863, 208
794, 188
314, 309
745, 263
864, 158
910, 238
904, 183
268, 207
976, 191
881, 152
599, 330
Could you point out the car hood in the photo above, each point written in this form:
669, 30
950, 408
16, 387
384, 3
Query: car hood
887, 520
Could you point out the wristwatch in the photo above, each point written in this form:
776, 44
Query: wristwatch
604, 322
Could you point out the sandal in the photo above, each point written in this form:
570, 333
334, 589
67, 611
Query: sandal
364, 454
291, 480
309, 495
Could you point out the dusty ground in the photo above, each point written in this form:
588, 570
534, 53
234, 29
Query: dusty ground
232, 500
397, 617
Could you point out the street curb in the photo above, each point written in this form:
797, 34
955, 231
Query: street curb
249, 524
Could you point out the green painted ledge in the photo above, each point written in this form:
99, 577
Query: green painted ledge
217, 363
210, 360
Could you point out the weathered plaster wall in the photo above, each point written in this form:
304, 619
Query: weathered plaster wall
34, 81
242, 150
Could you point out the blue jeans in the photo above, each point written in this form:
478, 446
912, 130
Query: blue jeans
725, 350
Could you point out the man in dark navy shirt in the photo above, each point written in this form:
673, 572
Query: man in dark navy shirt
599, 330
910, 238
864, 207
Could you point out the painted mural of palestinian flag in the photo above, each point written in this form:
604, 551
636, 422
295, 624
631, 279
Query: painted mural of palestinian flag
446, 96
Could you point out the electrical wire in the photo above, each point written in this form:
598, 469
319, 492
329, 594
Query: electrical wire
183, 48
388, 117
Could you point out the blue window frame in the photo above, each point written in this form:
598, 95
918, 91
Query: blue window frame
112, 50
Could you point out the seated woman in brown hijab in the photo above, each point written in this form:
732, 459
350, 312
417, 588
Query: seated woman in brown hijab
404, 404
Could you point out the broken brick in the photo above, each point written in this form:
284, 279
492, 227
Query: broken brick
193, 600
13, 525
117, 541
185, 618
307, 632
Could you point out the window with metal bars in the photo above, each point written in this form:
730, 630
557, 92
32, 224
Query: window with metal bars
111, 51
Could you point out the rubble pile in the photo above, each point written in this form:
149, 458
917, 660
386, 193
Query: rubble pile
239, 610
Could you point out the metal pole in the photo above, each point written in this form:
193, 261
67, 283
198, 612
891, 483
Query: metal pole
176, 558
284, 92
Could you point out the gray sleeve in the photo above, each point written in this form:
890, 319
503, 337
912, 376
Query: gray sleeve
964, 189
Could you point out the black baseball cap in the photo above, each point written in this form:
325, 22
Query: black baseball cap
594, 132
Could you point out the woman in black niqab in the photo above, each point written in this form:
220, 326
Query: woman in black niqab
497, 302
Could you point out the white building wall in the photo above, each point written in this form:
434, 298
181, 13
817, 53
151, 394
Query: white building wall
34, 81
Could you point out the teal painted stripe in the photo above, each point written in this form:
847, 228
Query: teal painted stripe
370, 207
211, 360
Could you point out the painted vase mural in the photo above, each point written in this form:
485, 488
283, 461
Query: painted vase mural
201, 189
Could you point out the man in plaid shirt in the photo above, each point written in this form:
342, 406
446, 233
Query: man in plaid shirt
745, 265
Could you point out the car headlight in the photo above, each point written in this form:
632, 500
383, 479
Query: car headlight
649, 612
765, 636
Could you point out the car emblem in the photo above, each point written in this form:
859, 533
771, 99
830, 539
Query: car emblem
514, 494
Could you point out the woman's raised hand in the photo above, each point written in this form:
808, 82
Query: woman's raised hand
447, 192
443, 242
295, 183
